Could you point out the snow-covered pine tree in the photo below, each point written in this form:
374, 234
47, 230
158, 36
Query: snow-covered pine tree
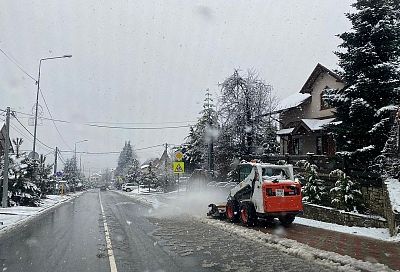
133, 173
71, 174
125, 160
203, 133
370, 67
21, 190
313, 189
44, 180
346, 193
193, 149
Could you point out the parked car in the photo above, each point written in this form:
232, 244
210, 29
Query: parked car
127, 187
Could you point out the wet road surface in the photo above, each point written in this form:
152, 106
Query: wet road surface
71, 238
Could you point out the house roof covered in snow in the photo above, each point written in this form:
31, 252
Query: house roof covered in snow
292, 101
318, 70
285, 131
309, 124
317, 124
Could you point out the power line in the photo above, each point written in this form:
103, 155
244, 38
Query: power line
54, 123
142, 123
106, 126
20, 132
32, 134
109, 152
17, 64
137, 128
61, 157
41, 93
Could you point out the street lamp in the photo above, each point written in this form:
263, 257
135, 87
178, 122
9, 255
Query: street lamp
75, 160
78, 143
37, 97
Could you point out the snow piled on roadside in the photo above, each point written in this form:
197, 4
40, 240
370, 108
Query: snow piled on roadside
292, 247
13, 215
393, 186
375, 233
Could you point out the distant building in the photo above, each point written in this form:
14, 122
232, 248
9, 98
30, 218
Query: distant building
95, 177
303, 116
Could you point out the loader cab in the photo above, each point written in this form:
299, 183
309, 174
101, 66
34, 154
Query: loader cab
246, 173
244, 170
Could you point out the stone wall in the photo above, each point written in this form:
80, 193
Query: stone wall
393, 218
374, 199
331, 215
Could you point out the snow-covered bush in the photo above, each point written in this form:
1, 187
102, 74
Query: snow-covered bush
346, 193
149, 177
313, 189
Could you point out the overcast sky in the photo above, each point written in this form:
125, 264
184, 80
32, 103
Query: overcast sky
151, 61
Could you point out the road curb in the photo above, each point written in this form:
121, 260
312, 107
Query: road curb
24, 221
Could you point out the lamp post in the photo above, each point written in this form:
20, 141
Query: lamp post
75, 160
78, 143
37, 97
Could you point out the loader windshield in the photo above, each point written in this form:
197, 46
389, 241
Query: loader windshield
275, 173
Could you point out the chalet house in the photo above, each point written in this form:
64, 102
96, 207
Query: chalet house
303, 116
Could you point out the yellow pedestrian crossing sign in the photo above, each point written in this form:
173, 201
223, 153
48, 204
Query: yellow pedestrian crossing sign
178, 167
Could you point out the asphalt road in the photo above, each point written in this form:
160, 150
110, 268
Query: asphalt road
71, 238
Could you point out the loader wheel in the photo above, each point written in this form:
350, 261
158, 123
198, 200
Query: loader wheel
248, 214
232, 211
128, 190
286, 220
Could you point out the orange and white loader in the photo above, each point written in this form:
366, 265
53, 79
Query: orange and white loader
265, 191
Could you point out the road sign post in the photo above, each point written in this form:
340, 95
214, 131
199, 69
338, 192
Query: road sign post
178, 166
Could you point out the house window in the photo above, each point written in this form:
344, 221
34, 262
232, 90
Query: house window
324, 103
319, 145
297, 146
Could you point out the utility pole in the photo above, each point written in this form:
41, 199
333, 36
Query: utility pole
210, 152
165, 167
4, 203
55, 161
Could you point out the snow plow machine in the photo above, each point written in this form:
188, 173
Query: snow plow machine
265, 191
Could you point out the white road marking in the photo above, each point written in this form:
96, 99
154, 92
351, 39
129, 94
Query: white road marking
111, 258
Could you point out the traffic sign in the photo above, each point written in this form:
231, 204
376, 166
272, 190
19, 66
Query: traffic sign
33, 155
178, 167
178, 155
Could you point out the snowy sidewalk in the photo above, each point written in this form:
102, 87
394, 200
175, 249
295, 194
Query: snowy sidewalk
14, 216
318, 235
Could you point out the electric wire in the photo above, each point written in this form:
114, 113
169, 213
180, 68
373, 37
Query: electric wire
33, 135
14, 61
17, 64
54, 123
107, 126
109, 152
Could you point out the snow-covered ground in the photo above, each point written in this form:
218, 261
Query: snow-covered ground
375, 233
13, 216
